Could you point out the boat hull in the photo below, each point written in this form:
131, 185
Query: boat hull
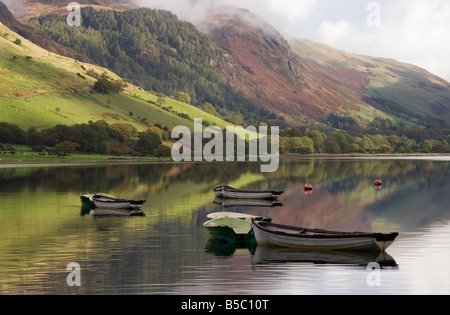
229, 228
303, 239
118, 205
227, 192
115, 203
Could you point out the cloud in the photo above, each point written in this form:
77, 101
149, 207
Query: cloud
412, 31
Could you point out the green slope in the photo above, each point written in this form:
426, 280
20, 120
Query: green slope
41, 89
401, 90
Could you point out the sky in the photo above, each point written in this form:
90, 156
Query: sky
411, 31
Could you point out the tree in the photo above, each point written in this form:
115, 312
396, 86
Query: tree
147, 143
66, 147
162, 151
183, 97
332, 145
207, 107
426, 146
105, 86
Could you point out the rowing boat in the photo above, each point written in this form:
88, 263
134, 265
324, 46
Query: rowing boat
108, 202
233, 193
277, 235
232, 226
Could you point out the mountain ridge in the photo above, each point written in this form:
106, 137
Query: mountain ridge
300, 81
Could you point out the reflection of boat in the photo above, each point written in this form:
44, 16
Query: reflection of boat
102, 201
231, 226
223, 248
269, 255
270, 234
85, 209
233, 193
247, 202
99, 212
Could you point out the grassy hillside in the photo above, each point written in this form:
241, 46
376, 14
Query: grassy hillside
154, 50
403, 91
42, 89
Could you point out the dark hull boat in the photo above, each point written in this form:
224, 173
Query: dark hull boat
276, 235
228, 192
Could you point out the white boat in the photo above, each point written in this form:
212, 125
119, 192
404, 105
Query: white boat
231, 226
234, 215
101, 201
276, 235
86, 200
233, 193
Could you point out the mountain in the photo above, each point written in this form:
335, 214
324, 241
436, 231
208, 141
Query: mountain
155, 50
399, 89
41, 89
248, 71
305, 82
23, 10
259, 62
7, 18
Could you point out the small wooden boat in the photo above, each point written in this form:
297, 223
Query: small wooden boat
86, 200
233, 193
231, 226
218, 190
236, 215
102, 201
276, 235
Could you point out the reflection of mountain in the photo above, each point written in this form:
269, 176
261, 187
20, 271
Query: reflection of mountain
345, 198
40, 214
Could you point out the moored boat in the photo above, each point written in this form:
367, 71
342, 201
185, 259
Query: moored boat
229, 229
87, 201
277, 235
236, 215
102, 201
233, 193
232, 226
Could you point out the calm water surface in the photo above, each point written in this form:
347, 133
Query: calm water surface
167, 251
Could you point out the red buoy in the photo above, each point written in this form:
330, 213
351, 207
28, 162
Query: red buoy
308, 187
378, 184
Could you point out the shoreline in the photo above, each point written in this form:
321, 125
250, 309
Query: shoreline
152, 160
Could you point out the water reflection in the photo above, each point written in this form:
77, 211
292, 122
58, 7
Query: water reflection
167, 250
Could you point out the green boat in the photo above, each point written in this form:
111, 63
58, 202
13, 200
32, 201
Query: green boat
231, 229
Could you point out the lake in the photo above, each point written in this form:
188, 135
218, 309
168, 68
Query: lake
43, 228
